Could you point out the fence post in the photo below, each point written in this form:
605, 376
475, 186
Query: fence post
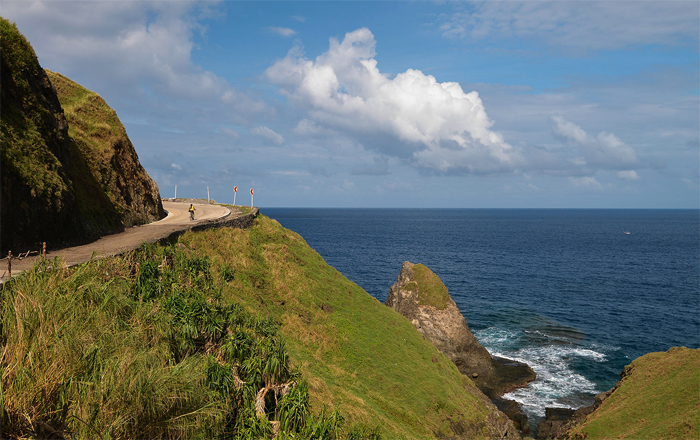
43, 250
9, 264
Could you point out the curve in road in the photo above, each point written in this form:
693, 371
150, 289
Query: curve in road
115, 244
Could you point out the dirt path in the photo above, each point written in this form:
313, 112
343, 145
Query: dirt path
109, 245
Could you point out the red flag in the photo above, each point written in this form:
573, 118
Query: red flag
235, 189
251, 191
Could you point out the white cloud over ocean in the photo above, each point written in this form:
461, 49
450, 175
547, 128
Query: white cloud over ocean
604, 150
440, 126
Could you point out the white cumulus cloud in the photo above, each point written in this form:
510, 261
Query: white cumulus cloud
438, 125
130, 50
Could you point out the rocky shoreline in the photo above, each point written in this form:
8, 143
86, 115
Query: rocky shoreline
421, 297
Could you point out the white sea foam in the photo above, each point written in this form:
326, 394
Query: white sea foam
598, 357
557, 383
494, 337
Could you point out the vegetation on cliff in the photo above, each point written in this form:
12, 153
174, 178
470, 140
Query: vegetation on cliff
49, 188
110, 155
433, 291
657, 398
184, 342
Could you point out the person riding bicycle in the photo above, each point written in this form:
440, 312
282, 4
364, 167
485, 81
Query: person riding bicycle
191, 212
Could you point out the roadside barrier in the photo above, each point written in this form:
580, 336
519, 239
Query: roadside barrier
22, 255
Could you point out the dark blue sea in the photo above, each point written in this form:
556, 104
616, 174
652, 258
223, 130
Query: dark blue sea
576, 294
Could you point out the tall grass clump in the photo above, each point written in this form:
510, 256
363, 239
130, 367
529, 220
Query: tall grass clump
144, 346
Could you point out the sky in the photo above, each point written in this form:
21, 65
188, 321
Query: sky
457, 104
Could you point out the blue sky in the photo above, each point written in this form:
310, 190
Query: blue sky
395, 104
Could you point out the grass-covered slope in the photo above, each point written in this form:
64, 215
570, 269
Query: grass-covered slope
111, 157
145, 347
229, 333
355, 352
657, 398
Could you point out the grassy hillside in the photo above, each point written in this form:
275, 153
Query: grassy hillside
355, 352
179, 341
658, 398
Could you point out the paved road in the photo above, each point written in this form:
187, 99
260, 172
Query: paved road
178, 213
177, 220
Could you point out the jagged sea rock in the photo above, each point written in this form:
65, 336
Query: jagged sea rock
422, 298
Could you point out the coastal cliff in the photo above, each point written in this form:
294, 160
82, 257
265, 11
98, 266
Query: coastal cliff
111, 157
225, 331
658, 396
422, 298
53, 189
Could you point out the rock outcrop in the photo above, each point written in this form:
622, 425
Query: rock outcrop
111, 157
421, 297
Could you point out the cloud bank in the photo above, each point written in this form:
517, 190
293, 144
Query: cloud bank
602, 151
135, 49
586, 25
437, 126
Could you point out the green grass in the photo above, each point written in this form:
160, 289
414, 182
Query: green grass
410, 286
243, 209
178, 341
658, 399
355, 352
144, 347
432, 291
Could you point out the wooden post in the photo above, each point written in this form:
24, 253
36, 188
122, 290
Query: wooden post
43, 250
9, 264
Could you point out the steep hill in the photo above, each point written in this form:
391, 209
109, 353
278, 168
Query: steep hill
51, 190
657, 398
356, 353
225, 334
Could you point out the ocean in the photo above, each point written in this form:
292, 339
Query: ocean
576, 294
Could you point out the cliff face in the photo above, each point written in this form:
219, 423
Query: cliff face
422, 298
50, 190
111, 157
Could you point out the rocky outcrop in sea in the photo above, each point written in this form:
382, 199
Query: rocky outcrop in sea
421, 297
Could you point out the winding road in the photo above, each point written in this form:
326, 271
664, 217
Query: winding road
115, 244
